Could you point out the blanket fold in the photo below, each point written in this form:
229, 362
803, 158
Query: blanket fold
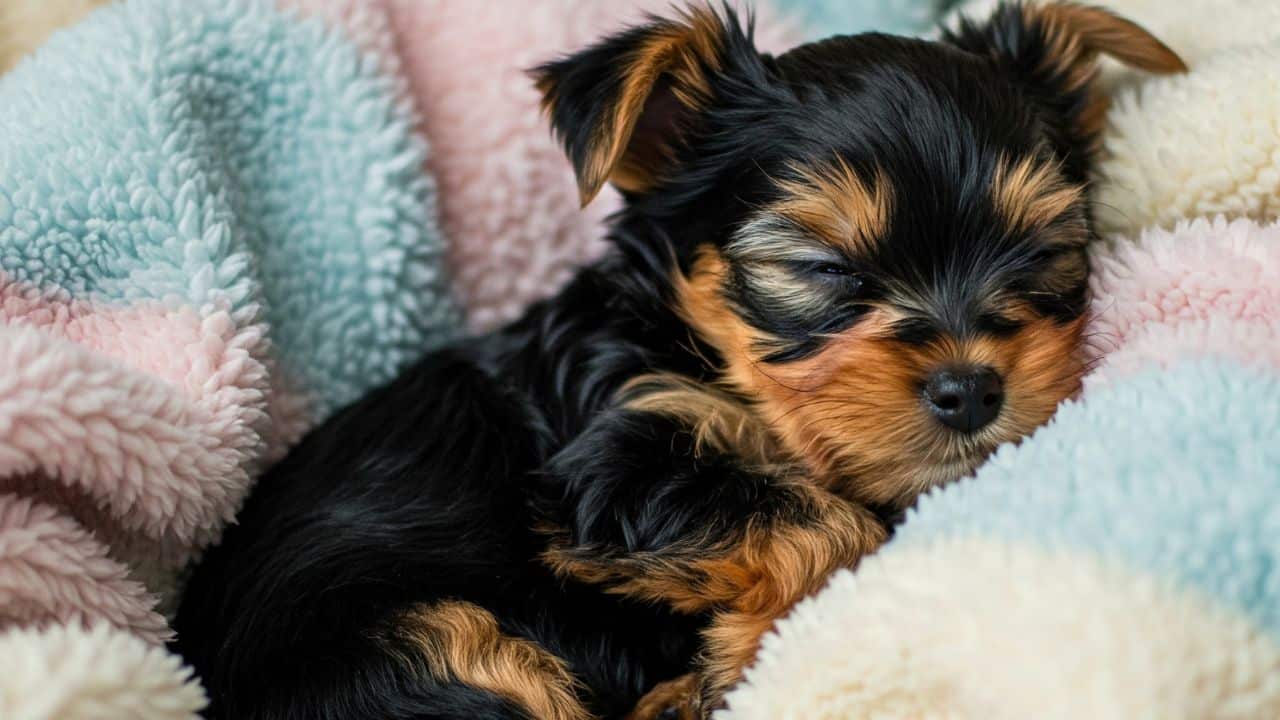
211, 236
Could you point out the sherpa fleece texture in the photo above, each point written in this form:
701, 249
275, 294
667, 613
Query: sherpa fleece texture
1210, 288
823, 18
69, 673
215, 228
226, 213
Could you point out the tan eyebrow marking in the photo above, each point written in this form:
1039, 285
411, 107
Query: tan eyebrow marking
1029, 195
834, 202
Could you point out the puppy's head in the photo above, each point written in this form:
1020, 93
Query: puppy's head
883, 238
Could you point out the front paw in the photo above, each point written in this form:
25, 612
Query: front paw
679, 699
635, 482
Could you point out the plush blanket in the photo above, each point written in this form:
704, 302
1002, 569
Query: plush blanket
821, 18
1122, 562
214, 229
221, 228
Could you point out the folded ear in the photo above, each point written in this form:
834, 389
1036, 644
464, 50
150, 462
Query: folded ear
1052, 50
621, 106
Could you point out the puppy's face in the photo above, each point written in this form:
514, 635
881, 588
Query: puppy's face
883, 238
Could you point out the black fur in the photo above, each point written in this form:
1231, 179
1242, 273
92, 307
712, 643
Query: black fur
432, 487
1020, 47
421, 491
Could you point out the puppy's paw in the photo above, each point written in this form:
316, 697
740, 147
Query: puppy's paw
679, 699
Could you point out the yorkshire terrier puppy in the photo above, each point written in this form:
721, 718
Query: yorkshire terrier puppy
843, 275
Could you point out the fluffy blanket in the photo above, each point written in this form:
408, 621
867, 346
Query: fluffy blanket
820, 18
211, 234
1122, 562
221, 228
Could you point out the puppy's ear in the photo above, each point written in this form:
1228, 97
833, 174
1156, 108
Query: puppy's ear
621, 106
1052, 50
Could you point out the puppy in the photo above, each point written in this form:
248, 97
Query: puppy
842, 276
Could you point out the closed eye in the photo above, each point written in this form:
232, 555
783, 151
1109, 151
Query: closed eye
998, 325
849, 281
915, 331
832, 269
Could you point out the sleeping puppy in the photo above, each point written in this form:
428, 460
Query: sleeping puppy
843, 275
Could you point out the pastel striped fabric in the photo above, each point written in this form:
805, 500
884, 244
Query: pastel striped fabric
215, 228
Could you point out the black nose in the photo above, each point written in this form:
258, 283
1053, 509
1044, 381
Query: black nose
965, 400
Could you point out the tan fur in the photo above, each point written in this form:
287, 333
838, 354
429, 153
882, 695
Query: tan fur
838, 205
748, 587
732, 643
717, 420
461, 641
853, 412
701, 304
1029, 195
786, 565
1078, 31
766, 570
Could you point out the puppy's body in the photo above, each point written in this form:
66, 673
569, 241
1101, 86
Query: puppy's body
843, 275
421, 492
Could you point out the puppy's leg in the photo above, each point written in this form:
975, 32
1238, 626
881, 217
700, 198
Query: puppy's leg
458, 642
652, 508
